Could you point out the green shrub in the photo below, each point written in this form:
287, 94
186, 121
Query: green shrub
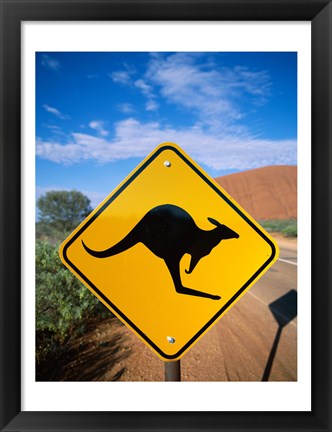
50, 233
287, 227
63, 303
290, 231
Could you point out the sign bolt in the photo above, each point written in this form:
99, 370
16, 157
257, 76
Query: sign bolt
170, 339
167, 164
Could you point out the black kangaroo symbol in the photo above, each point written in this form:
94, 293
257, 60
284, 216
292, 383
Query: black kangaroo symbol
170, 232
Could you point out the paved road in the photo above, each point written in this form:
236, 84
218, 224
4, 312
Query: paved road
255, 341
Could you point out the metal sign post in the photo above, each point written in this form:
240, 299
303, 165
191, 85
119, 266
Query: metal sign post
173, 371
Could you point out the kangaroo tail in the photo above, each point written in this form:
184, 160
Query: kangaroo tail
124, 244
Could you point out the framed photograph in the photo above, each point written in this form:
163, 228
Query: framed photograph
186, 72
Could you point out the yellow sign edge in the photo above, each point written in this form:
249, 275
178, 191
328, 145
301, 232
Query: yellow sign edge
225, 308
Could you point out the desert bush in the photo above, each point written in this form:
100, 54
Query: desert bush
290, 231
48, 232
286, 227
63, 304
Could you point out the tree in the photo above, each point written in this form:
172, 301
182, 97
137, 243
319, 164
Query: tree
64, 306
63, 210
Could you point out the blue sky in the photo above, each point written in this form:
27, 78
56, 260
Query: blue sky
99, 114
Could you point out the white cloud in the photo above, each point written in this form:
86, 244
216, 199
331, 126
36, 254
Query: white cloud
135, 139
56, 112
147, 91
126, 108
55, 129
151, 105
214, 95
122, 77
211, 93
98, 125
50, 62
145, 88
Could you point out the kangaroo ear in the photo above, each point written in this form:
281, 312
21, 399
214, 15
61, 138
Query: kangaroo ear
214, 222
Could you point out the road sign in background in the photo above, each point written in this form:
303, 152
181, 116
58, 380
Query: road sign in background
169, 251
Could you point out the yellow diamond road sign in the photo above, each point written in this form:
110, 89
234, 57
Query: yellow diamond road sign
169, 251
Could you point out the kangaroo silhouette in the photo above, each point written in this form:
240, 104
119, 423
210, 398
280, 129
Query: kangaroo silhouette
170, 232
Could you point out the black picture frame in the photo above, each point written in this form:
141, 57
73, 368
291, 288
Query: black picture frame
319, 13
